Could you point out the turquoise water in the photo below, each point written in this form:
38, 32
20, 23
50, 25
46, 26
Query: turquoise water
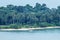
49, 34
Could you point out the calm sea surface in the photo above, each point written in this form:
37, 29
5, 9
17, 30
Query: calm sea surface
49, 34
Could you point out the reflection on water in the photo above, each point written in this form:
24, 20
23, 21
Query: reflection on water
46, 34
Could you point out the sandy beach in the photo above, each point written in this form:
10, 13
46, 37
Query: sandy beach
27, 29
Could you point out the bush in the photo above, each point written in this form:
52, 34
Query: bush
14, 26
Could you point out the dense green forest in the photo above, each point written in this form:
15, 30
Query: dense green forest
28, 16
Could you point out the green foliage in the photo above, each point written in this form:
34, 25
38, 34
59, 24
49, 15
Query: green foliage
4, 26
45, 24
28, 16
13, 26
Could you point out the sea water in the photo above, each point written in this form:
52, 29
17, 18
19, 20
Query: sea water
48, 34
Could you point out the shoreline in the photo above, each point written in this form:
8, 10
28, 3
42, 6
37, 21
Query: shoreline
28, 29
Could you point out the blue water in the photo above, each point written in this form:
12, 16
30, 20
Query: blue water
49, 34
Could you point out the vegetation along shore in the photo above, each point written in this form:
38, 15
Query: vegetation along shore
39, 16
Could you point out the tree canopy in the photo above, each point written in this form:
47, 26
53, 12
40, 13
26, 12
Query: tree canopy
39, 15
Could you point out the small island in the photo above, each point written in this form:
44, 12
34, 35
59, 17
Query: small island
27, 17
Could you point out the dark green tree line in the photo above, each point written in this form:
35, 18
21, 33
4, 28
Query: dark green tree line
40, 15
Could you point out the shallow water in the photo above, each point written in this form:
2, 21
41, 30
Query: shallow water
48, 34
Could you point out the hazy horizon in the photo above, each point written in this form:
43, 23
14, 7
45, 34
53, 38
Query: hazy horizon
49, 3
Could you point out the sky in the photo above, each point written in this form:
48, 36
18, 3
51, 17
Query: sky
49, 3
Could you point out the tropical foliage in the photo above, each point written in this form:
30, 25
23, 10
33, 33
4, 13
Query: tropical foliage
29, 16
